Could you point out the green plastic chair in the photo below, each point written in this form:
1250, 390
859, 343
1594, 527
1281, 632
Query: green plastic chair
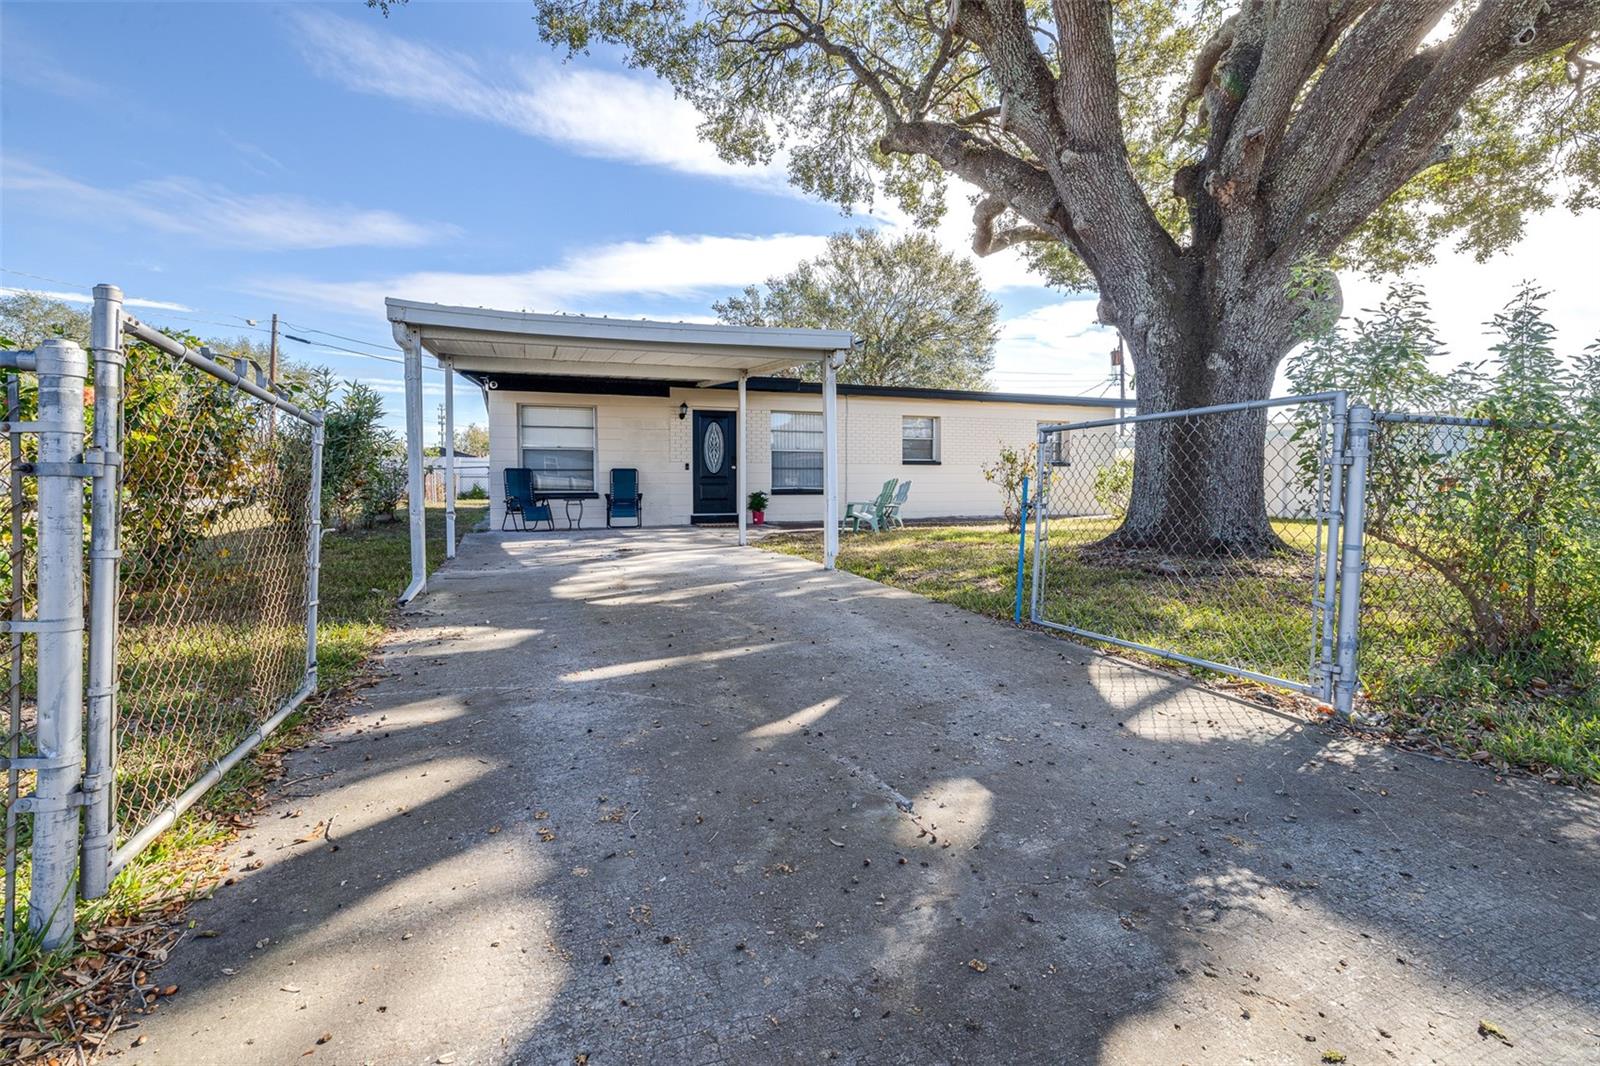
870, 512
891, 514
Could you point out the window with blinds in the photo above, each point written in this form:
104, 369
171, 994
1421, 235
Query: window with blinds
796, 451
557, 444
919, 439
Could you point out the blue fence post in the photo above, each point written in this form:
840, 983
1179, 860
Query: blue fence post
1022, 548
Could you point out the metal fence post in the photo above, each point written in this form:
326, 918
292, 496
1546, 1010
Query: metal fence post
105, 553
1041, 504
1358, 441
1022, 548
314, 552
1338, 421
62, 368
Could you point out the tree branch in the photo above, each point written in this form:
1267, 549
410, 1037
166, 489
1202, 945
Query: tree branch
986, 240
1323, 134
1019, 184
1500, 36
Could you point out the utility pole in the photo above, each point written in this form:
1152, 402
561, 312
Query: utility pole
1118, 360
272, 378
272, 355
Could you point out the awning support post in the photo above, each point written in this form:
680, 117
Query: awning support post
415, 506
830, 457
449, 460
741, 431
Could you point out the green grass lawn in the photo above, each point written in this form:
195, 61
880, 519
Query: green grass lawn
1523, 710
362, 573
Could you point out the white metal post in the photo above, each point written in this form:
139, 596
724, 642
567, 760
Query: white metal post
417, 513
105, 552
449, 461
740, 431
1358, 441
62, 368
830, 458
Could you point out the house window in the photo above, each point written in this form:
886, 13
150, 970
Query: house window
919, 439
557, 444
796, 451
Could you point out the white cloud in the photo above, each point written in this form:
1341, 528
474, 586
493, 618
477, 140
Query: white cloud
662, 266
1557, 253
608, 115
85, 298
1057, 348
220, 216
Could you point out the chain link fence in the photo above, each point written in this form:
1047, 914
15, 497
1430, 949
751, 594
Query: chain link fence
216, 526
1224, 561
162, 623
1482, 576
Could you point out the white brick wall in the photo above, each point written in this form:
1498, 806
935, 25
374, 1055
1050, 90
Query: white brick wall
646, 433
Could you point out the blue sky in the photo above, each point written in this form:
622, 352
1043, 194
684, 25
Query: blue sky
235, 159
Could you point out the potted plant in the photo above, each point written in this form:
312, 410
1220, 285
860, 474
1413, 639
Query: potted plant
758, 507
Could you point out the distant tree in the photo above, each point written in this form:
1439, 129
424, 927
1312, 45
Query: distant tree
473, 440
27, 318
922, 315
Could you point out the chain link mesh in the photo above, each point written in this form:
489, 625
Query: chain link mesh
1218, 554
17, 569
216, 527
1482, 578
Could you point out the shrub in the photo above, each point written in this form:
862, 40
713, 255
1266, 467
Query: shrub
1503, 514
1113, 486
1007, 471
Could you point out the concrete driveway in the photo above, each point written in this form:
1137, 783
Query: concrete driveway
653, 798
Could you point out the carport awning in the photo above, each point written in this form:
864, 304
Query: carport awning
478, 339
483, 341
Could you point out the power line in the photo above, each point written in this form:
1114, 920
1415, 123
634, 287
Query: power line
348, 351
340, 336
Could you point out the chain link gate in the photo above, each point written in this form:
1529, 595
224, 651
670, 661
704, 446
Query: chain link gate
1253, 599
203, 544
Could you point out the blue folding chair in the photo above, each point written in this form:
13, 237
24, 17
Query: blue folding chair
625, 500
520, 502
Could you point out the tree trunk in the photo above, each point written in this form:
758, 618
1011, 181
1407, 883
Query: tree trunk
1198, 481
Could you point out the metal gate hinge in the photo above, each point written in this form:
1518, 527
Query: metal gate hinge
41, 625
36, 762
58, 469
35, 804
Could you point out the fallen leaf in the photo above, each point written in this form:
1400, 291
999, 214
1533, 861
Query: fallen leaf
1486, 1029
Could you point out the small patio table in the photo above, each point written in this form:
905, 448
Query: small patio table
573, 502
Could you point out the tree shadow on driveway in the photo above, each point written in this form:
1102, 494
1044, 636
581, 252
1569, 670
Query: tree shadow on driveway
661, 800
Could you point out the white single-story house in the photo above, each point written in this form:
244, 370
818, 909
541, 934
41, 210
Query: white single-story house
694, 410
572, 431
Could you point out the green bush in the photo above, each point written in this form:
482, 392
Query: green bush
1113, 486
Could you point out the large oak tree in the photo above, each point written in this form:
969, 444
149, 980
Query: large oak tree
1184, 159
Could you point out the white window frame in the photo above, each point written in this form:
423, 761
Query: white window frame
774, 451
934, 439
594, 443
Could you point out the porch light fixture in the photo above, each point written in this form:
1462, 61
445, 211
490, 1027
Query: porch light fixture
683, 411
